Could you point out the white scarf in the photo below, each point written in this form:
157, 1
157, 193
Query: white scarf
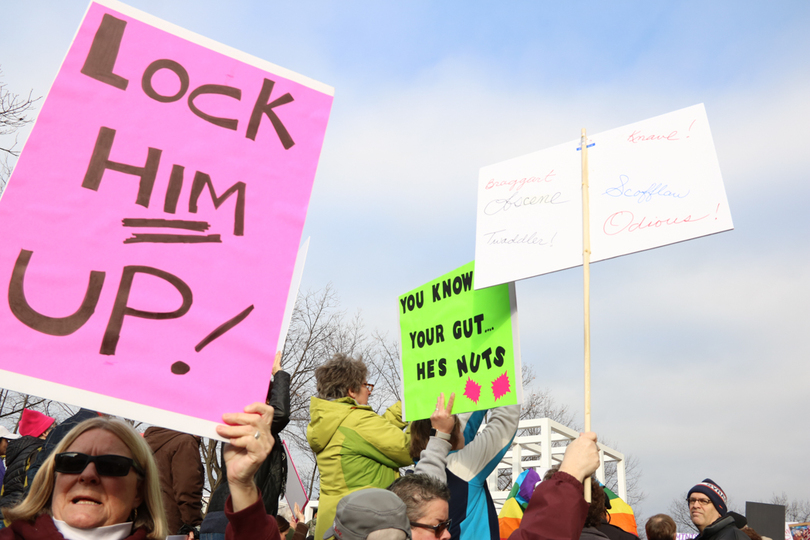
110, 532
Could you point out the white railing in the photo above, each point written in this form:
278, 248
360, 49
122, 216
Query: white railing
540, 443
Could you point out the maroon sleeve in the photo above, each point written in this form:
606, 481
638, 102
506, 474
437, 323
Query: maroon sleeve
252, 523
556, 511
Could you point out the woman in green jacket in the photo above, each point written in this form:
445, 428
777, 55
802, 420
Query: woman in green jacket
355, 447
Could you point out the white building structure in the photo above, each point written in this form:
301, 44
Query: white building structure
540, 443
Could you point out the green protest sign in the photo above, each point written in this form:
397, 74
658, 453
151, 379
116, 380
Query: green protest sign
457, 339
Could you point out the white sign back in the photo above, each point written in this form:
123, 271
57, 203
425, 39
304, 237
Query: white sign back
652, 183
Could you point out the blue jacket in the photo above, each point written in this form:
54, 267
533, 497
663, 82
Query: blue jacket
471, 508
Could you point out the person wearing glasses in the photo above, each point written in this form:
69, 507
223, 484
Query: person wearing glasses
355, 447
708, 508
473, 457
101, 483
427, 500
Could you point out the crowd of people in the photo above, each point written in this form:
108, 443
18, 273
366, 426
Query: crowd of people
95, 478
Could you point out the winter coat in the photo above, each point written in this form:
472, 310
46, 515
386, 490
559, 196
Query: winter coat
556, 511
356, 448
45, 529
722, 529
250, 523
177, 456
17, 455
471, 508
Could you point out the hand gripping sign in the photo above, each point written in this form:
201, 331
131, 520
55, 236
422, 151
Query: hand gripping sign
457, 339
151, 225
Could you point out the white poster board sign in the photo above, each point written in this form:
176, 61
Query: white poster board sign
652, 183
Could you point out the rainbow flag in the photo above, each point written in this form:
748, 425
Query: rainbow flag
621, 515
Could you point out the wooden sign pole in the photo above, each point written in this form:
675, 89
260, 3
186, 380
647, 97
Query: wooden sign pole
586, 260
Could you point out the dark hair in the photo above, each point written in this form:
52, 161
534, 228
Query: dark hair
338, 375
551, 472
417, 490
596, 511
660, 527
420, 435
283, 524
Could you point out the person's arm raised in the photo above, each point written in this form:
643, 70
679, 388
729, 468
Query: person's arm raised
250, 444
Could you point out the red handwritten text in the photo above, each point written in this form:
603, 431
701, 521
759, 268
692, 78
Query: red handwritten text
625, 221
520, 182
637, 137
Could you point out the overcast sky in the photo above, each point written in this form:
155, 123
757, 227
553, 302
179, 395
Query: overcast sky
700, 366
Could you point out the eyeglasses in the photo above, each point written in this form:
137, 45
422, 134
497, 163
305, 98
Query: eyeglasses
369, 386
437, 529
107, 465
701, 502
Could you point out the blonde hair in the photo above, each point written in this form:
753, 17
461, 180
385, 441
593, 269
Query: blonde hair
150, 514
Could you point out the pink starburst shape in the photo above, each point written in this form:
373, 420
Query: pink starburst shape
472, 390
501, 386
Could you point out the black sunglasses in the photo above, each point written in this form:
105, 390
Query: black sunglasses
437, 529
107, 465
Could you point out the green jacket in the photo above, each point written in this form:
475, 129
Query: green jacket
356, 448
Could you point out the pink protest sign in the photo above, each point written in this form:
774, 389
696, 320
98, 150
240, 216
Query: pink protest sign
151, 225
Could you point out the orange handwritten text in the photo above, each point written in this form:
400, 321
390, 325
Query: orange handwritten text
637, 136
625, 221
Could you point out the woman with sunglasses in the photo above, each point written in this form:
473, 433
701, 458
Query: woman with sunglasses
355, 447
101, 483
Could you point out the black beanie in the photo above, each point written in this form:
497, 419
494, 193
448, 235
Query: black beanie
714, 493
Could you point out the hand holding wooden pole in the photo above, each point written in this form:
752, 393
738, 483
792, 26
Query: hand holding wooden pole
586, 260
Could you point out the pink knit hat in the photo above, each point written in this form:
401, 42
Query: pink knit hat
34, 423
